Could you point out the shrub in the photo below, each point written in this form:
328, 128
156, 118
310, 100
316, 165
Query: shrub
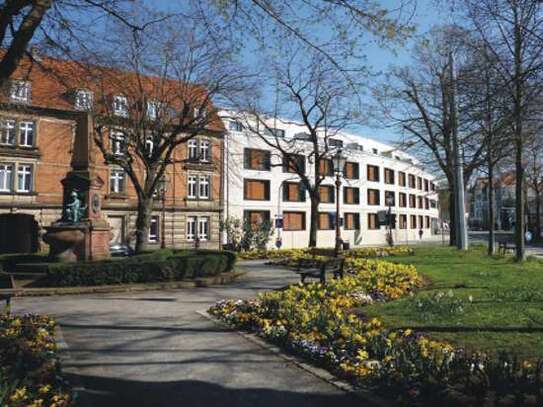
165, 265
9, 261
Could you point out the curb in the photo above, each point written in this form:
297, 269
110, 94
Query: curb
221, 279
318, 372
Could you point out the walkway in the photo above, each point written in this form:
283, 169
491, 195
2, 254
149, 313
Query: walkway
154, 349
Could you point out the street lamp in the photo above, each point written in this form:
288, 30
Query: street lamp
339, 164
389, 201
162, 188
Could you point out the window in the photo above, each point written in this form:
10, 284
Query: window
401, 178
375, 151
149, 147
433, 203
293, 221
6, 177
419, 183
7, 132
204, 150
419, 201
294, 162
200, 113
351, 196
120, 105
116, 181
373, 223
412, 201
256, 159
427, 222
413, 221
335, 142
234, 125
326, 167
327, 220
373, 173
26, 134
293, 192
432, 186
203, 228
352, 221
373, 197
326, 193
426, 203
192, 146
20, 91
203, 187
152, 109
191, 228
83, 99
192, 186
352, 171
426, 185
153, 230
118, 143
411, 178
256, 190
24, 178
256, 218
389, 176
403, 200
390, 198
421, 221
403, 221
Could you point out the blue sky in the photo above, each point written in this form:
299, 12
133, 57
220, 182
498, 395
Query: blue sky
427, 14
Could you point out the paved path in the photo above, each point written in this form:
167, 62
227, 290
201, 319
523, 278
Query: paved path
154, 349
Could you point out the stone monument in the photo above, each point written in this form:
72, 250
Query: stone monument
82, 233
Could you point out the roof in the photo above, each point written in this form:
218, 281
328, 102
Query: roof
54, 81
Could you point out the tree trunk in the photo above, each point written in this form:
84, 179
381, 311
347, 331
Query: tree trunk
519, 205
143, 222
452, 218
314, 220
537, 228
491, 215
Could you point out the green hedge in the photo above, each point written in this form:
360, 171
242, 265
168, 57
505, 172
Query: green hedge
9, 261
160, 266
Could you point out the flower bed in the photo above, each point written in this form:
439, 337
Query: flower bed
320, 323
294, 254
29, 368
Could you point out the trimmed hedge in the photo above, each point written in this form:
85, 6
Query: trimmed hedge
160, 266
9, 261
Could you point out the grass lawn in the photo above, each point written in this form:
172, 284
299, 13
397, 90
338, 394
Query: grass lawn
472, 301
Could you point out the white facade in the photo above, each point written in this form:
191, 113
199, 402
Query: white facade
360, 151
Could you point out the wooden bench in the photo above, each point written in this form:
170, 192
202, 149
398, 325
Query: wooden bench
505, 244
7, 288
318, 269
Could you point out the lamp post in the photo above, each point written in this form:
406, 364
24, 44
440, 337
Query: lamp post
390, 202
162, 188
339, 163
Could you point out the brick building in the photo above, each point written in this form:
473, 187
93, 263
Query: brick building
39, 115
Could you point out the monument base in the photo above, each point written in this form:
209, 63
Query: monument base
78, 242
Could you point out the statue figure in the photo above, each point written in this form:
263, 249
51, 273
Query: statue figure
74, 209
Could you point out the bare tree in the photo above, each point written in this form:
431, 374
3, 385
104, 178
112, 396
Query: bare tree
163, 97
311, 94
512, 30
417, 101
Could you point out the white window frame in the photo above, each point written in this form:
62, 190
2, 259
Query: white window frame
84, 99
154, 238
192, 149
27, 130
192, 186
117, 181
7, 170
235, 125
8, 131
153, 107
204, 182
204, 146
203, 228
20, 91
149, 146
120, 105
191, 228
118, 143
25, 173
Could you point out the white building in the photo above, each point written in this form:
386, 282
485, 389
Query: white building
258, 186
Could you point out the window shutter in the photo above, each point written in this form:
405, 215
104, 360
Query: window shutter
331, 194
266, 190
285, 191
301, 192
331, 220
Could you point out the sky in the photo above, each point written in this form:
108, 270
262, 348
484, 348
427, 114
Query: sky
380, 59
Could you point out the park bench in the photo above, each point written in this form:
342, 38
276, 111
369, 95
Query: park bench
505, 244
7, 288
310, 268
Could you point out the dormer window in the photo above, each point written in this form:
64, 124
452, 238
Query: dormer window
234, 125
20, 91
83, 99
152, 109
120, 105
200, 113
118, 143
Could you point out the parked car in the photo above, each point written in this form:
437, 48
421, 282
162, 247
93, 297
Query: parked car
121, 250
